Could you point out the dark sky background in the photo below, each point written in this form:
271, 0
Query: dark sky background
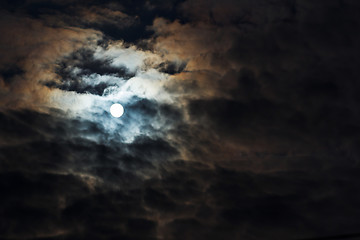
242, 119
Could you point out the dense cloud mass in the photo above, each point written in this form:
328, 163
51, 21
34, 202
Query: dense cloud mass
241, 119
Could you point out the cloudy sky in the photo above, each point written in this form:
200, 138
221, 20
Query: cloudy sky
242, 119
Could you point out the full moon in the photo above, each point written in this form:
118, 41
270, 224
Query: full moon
117, 110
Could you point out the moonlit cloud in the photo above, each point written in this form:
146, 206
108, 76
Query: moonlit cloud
146, 84
241, 119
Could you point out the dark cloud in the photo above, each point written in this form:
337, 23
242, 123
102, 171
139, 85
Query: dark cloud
258, 140
97, 213
82, 63
172, 67
120, 20
85, 60
54, 180
9, 73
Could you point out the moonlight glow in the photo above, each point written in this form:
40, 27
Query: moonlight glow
117, 110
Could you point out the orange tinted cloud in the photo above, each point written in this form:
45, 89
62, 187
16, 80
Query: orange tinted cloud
35, 48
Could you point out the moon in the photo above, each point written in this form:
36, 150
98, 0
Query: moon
116, 110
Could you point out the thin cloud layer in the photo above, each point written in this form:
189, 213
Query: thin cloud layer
31, 51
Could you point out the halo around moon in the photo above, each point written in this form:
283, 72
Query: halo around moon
116, 110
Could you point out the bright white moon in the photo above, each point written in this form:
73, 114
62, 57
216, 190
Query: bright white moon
117, 110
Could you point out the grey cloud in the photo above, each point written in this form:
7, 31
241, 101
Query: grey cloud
259, 144
73, 69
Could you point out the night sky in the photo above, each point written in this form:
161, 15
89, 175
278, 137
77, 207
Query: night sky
241, 122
